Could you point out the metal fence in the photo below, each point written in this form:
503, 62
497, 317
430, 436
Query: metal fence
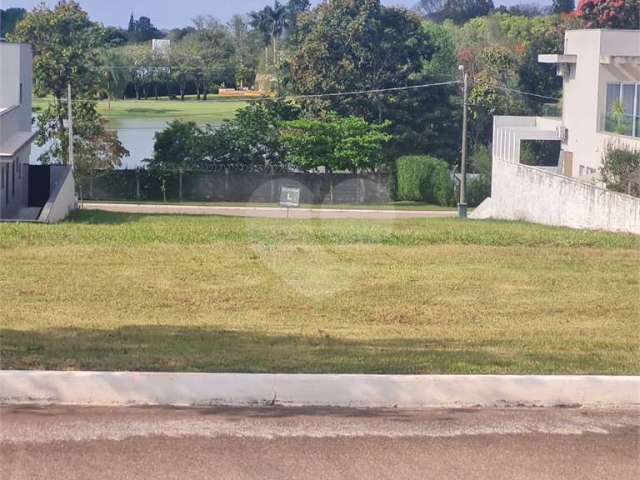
198, 186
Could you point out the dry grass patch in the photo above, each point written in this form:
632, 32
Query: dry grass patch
111, 291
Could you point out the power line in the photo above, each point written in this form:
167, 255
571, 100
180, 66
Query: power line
315, 95
378, 90
531, 94
333, 94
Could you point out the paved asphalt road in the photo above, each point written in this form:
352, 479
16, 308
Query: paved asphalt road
290, 443
267, 212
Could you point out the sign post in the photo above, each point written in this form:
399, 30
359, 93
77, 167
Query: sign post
289, 197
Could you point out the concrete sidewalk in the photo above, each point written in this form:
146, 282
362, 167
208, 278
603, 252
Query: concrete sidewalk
314, 443
268, 212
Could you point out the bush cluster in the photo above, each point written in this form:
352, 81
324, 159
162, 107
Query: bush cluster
422, 178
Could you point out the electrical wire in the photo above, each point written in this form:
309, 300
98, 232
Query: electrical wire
318, 95
531, 94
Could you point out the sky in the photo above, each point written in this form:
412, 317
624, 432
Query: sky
178, 13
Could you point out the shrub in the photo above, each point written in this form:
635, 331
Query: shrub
621, 170
422, 178
479, 188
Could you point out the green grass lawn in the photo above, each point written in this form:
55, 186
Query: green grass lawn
214, 110
188, 293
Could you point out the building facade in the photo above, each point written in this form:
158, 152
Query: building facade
600, 107
15, 127
600, 72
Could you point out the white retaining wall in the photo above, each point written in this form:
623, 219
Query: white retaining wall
522, 192
63, 195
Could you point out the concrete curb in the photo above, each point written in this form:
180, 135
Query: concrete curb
403, 391
268, 212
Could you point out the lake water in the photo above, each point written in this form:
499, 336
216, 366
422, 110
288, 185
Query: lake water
137, 136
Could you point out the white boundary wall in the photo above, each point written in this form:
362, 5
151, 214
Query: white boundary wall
533, 194
63, 195
402, 391
521, 192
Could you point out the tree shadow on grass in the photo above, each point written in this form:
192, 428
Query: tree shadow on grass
192, 349
99, 217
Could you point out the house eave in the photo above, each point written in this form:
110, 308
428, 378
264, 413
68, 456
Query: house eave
14, 144
557, 58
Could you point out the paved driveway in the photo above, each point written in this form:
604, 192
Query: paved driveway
285, 443
267, 212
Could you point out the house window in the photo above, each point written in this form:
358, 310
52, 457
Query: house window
622, 109
13, 180
20, 102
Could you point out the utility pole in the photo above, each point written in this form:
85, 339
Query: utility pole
70, 120
462, 205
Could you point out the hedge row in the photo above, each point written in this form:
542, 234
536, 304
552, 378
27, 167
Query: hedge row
421, 178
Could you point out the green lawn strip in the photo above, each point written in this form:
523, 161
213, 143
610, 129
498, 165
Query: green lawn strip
181, 293
210, 111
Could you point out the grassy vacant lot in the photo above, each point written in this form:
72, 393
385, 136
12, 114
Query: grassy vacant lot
117, 291
214, 110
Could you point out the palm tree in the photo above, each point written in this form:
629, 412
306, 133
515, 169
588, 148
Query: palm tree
279, 19
271, 22
261, 22
113, 77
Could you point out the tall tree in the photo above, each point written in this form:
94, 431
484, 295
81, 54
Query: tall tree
272, 22
458, 11
142, 30
132, 24
213, 46
113, 75
138, 59
294, 9
245, 50
610, 13
351, 46
65, 45
261, 23
9, 18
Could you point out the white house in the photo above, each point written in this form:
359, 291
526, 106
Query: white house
600, 106
600, 71
27, 192
15, 127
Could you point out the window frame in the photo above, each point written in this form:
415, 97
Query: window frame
635, 115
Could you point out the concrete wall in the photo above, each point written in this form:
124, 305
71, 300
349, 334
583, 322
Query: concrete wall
63, 195
521, 192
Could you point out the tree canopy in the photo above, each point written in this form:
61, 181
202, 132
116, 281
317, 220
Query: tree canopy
610, 13
65, 45
9, 18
